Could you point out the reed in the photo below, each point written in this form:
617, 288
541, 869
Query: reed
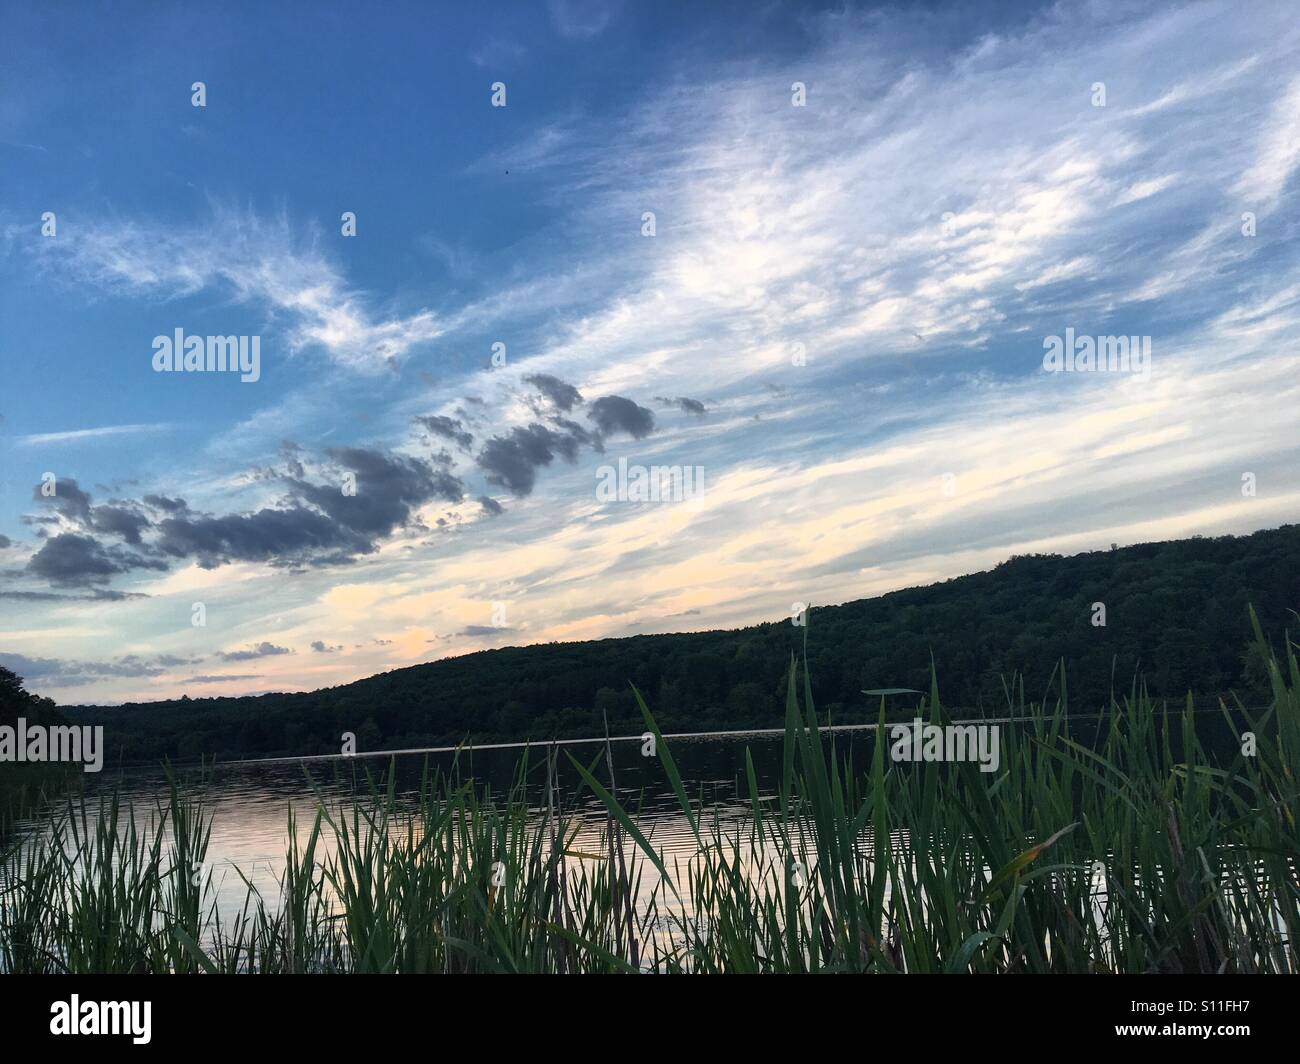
1136, 851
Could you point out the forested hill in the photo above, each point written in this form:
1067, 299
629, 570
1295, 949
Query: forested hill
1176, 613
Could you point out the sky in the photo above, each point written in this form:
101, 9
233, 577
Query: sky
815, 253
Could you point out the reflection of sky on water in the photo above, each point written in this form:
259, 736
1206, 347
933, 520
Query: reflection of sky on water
250, 802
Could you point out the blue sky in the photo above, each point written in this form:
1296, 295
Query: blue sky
840, 316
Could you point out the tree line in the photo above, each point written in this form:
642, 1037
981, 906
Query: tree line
1176, 620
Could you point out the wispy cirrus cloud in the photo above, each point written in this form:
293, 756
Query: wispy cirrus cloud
254, 260
872, 223
40, 439
855, 291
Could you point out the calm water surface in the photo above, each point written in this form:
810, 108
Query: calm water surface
250, 802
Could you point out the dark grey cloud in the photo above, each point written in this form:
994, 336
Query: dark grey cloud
319, 525
289, 536
316, 524
5, 541
97, 594
291, 453
564, 395
68, 499
512, 461
166, 505
125, 522
448, 428
261, 650
70, 559
614, 413
687, 406
58, 672
389, 489
321, 648
577, 432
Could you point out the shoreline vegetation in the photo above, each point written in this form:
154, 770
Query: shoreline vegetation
26, 787
1137, 852
1175, 613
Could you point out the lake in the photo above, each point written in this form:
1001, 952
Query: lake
250, 802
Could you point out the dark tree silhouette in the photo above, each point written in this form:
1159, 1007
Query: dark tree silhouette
1176, 617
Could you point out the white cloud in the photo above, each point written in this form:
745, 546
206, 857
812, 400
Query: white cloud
39, 438
1279, 152
255, 260
825, 226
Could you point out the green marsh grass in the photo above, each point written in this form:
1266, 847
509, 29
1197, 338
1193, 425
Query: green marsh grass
1137, 851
